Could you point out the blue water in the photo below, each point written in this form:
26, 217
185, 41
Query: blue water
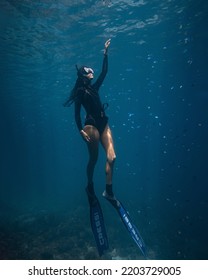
157, 90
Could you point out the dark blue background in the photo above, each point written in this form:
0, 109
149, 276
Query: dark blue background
157, 91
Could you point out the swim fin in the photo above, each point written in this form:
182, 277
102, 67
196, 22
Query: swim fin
128, 224
97, 223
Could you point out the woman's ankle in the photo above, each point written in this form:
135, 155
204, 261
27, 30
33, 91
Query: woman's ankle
109, 189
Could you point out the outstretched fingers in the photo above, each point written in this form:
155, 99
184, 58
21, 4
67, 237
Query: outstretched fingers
107, 43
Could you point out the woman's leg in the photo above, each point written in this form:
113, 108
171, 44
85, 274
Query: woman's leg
107, 142
93, 153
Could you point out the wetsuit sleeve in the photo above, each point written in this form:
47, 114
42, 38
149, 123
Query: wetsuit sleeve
77, 114
101, 78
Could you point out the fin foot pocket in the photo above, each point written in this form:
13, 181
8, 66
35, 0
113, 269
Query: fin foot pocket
111, 199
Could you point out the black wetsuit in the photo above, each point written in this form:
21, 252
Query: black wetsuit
89, 98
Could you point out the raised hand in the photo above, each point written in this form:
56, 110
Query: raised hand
107, 44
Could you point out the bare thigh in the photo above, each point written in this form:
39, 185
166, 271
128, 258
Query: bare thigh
94, 139
107, 142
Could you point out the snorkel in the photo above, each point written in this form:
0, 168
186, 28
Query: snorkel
83, 72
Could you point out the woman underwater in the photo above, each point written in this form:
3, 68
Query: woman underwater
96, 128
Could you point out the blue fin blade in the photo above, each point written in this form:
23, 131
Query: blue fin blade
98, 227
134, 232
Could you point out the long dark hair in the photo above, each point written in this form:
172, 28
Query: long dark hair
78, 88
75, 93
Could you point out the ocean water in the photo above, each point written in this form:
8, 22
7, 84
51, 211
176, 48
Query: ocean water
157, 90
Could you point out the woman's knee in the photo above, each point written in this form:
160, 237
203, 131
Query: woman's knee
111, 158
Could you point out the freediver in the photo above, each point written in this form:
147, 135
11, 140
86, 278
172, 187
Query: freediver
96, 128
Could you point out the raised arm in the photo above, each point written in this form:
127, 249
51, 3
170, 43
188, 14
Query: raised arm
102, 75
107, 44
